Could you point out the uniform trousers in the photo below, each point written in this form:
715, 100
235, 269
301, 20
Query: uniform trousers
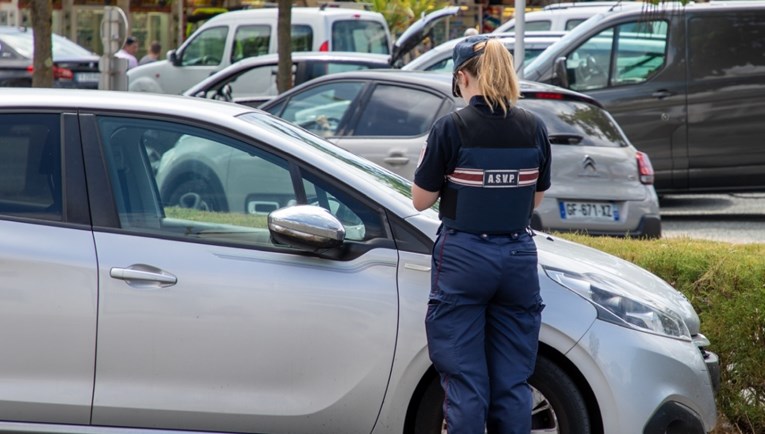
482, 324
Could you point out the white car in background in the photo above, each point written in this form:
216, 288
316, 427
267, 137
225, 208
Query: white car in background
439, 58
564, 16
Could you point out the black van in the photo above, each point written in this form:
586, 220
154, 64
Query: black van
686, 83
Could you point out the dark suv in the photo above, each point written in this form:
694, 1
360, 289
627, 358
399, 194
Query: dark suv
686, 83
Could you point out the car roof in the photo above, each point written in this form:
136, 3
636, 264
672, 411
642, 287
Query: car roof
437, 81
73, 99
249, 14
382, 59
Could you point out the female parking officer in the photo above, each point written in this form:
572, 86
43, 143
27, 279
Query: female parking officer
489, 163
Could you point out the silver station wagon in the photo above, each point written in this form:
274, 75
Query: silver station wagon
295, 306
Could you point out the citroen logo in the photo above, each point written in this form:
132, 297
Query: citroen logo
589, 164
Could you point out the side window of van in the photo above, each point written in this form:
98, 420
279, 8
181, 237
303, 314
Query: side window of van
626, 54
727, 46
250, 41
538, 26
360, 36
206, 48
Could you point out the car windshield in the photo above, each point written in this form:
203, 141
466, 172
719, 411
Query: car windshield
544, 58
23, 43
380, 175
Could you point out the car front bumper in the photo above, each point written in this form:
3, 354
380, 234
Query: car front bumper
645, 383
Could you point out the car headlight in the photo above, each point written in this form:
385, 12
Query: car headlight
614, 304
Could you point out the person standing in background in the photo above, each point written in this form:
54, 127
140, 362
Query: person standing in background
153, 55
128, 51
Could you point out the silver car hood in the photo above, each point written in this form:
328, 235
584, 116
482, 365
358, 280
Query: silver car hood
559, 253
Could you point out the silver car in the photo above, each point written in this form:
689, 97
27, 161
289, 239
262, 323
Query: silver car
601, 184
296, 306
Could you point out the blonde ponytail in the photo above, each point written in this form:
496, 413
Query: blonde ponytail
497, 80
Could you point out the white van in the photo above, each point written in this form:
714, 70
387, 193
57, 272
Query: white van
563, 17
233, 36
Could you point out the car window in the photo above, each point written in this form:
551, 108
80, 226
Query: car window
321, 109
258, 81
385, 115
570, 24
206, 48
538, 26
359, 36
726, 46
626, 54
576, 123
185, 182
302, 38
250, 41
30, 166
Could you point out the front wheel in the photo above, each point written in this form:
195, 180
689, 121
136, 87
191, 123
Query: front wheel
558, 406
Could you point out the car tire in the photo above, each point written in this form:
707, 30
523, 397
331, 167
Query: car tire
196, 194
559, 407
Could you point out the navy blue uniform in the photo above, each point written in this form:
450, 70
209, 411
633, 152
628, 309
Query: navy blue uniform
484, 311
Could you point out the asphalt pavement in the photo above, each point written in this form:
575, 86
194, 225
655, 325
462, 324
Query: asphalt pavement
735, 217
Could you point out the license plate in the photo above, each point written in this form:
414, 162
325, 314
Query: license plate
604, 211
87, 77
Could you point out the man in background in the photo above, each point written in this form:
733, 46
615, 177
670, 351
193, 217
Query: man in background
153, 55
128, 52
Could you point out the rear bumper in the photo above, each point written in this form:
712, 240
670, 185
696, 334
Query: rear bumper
648, 227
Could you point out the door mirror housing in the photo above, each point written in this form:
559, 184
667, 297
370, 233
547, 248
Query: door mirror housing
306, 227
173, 57
560, 74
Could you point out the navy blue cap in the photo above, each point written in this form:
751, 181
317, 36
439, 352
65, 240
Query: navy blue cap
468, 48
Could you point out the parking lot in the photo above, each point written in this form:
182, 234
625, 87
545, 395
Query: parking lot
735, 217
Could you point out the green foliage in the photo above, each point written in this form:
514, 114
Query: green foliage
400, 14
726, 285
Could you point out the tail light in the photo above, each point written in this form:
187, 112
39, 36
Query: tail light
324, 46
645, 169
58, 73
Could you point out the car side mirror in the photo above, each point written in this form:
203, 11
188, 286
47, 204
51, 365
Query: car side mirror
560, 74
172, 56
305, 227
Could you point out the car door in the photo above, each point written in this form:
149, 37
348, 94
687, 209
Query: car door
48, 283
726, 100
634, 69
204, 322
391, 133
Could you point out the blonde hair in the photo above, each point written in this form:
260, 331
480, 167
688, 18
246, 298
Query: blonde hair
497, 80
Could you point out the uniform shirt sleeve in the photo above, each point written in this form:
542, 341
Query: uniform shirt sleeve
543, 142
437, 156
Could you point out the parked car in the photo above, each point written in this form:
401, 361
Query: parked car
601, 183
439, 58
252, 81
563, 17
686, 83
232, 36
296, 307
73, 65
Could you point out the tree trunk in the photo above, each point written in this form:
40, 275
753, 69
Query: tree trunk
43, 49
284, 46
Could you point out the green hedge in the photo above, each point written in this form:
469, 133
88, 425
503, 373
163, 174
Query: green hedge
726, 285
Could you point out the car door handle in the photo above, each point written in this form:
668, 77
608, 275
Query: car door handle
396, 161
660, 94
143, 275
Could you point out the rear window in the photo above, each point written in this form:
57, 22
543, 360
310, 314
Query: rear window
359, 36
576, 123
